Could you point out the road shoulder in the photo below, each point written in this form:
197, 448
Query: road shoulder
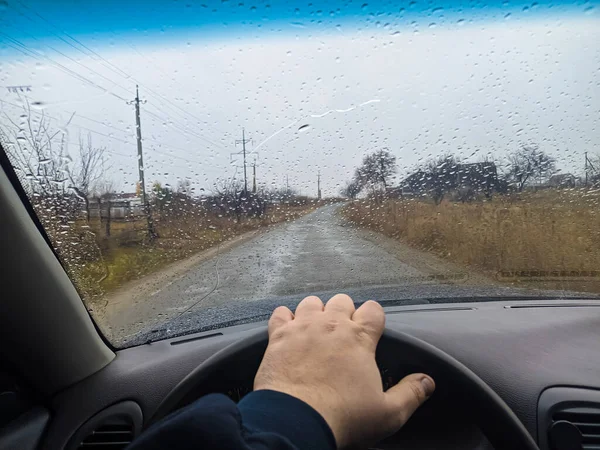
432, 266
131, 292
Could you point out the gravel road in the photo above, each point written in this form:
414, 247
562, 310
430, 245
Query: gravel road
318, 253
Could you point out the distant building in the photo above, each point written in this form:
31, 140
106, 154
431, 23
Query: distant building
478, 177
563, 180
413, 185
121, 206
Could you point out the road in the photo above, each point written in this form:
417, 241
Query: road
314, 254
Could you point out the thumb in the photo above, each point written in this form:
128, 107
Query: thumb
404, 398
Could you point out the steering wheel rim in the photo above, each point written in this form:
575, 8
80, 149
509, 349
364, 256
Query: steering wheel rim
498, 422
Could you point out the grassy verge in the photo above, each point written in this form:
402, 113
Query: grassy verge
551, 238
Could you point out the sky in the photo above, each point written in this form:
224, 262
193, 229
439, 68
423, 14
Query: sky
316, 86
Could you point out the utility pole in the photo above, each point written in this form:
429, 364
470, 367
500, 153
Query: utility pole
254, 177
138, 126
243, 142
319, 185
586, 169
287, 184
589, 167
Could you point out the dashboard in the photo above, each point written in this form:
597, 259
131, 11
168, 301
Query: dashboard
520, 349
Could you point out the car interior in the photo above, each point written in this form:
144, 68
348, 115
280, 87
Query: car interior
510, 374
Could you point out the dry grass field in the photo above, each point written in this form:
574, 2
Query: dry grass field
551, 237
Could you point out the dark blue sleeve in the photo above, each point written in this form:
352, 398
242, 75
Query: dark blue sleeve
262, 420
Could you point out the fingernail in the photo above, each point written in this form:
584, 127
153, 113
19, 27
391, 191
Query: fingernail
428, 385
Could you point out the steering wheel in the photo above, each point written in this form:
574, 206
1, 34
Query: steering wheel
496, 420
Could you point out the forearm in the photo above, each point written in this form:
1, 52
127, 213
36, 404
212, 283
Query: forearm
262, 420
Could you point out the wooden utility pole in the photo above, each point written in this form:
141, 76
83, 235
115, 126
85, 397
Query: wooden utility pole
108, 217
589, 166
243, 142
254, 177
319, 185
151, 232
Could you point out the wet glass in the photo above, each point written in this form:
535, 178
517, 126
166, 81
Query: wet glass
197, 164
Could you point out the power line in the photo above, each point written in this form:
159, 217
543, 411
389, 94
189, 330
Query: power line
128, 76
182, 128
174, 105
112, 152
102, 123
118, 139
153, 63
128, 132
185, 112
28, 52
78, 126
156, 66
122, 72
69, 36
175, 156
182, 115
76, 115
77, 62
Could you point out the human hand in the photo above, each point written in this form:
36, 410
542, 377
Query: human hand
325, 356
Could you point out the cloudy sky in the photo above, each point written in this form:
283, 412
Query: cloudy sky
316, 87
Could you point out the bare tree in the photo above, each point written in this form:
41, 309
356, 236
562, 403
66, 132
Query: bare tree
529, 163
440, 177
229, 198
104, 187
88, 171
160, 197
227, 194
351, 189
284, 194
185, 187
376, 170
104, 192
38, 153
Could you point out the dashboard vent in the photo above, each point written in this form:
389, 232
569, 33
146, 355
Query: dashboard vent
575, 428
114, 435
112, 428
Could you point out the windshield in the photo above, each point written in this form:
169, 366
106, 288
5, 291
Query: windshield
196, 164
